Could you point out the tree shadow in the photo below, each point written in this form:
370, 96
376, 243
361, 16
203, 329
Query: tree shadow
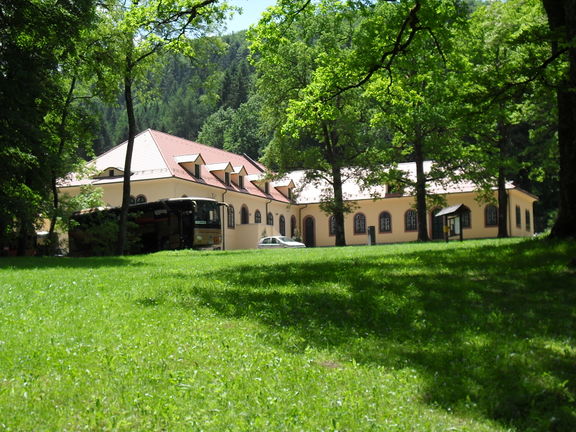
65, 262
487, 327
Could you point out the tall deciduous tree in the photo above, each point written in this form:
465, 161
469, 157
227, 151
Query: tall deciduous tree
37, 37
293, 47
562, 20
503, 48
133, 34
417, 102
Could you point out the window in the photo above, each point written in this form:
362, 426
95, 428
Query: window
282, 223
241, 182
528, 221
140, 199
518, 217
293, 226
359, 223
132, 200
332, 226
111, 173
257, 216
411, 220
227, 178
267, 188
385, 222
465, 219
197, 171
269, 219
244, 215
491, 216
231, 217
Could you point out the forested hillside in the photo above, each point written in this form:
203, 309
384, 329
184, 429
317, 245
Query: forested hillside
182, 95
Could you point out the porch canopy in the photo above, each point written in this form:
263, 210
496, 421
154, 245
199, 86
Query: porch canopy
453, 220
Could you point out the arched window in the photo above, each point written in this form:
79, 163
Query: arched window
244, 215
269, 219
132, 200
359, 223
257, 216
332, 226
385, 222
231, 217
293, 226
141, 199
491, 215
282, 223
411, 220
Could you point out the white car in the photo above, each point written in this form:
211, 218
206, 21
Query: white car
277, 242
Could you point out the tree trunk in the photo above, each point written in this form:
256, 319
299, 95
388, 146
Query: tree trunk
502, 204
338, 207
502, 195
333, 158
52, 238
122, 226
562, 21
421, 209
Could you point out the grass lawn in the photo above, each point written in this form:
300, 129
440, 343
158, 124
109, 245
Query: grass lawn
473, 336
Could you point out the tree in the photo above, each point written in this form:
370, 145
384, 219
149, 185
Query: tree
293, 47
417, 103
37, 38
236, 130
134, 33
504, 43
562, 21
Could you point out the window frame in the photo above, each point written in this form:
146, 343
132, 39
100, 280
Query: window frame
408, 223
231, 217
282, 225
487, 216
380, 216
360, 224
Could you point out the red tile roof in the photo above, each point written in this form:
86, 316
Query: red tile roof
155, 156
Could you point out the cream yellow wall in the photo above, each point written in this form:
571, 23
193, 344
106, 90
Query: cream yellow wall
525, 203
242, 236
397, 208
246, 236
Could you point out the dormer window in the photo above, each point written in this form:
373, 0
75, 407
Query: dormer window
109, 172
267, 188
284, 186
221, 171
191, 163
237, 176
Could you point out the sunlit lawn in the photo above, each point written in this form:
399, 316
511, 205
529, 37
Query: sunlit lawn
475, 336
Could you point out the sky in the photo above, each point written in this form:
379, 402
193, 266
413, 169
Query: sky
250, 14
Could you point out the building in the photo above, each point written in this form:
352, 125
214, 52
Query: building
165, 166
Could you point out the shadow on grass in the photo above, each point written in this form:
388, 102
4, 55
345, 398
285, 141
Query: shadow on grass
64, 262
489, 328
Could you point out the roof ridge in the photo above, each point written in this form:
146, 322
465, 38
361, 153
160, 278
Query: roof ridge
151, 132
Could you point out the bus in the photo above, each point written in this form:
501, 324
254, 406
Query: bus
170, 224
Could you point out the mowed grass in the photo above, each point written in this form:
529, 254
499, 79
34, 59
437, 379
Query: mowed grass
473, 336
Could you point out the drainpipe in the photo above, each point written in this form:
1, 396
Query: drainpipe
224, 219
509, 213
